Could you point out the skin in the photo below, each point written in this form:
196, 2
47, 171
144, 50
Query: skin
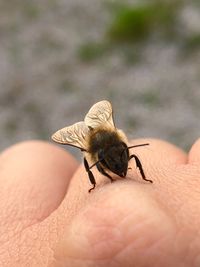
48, 218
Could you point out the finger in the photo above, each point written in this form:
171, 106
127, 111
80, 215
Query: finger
93, 223
155, 163
34, 177
119, 225
158, 157
194, 153
159, 152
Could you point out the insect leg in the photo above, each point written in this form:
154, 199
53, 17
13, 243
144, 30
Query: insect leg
90, 175
101, 170
139, 165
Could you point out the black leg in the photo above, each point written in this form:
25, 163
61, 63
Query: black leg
101, 170
90, 175
139, 165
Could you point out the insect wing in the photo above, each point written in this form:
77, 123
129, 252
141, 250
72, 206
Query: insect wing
74, 135
100, 113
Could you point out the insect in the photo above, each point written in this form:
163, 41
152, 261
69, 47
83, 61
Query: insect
105, 146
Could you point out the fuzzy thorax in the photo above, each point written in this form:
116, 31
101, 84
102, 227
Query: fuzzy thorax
103, 138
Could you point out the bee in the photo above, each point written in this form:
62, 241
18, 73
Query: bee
103, 145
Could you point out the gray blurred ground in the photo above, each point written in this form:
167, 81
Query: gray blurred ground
45, 85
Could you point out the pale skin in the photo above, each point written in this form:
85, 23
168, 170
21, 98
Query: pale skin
48, 218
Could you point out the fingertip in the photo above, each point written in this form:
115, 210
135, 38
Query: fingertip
37, 174
39, 154
194, 153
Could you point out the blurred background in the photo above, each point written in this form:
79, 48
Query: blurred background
57, 58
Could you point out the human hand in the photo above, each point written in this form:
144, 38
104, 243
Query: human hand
126, 223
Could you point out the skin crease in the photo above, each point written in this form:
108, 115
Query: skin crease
48, 218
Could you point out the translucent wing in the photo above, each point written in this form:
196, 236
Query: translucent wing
100, 113
74, 135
